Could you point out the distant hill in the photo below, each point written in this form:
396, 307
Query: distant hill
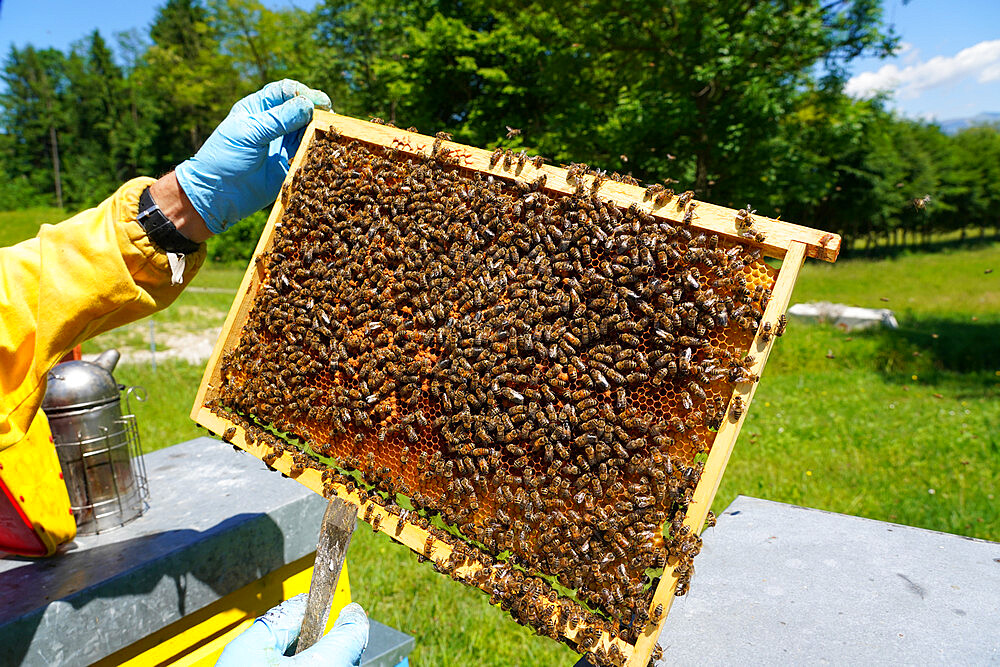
954, 125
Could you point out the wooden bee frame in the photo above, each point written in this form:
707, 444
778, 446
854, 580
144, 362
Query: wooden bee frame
791, 243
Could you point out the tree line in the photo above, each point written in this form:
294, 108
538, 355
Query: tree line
740, 101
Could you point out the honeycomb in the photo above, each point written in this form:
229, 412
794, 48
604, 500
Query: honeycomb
542, 373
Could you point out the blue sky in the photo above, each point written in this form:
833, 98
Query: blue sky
59, 23
949, 65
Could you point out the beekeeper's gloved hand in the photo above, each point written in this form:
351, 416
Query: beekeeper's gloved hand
265, 642
240, 168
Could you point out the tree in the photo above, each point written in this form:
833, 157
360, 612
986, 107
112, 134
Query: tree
33, 115
98, 142
976, 151
193, 81
740, 100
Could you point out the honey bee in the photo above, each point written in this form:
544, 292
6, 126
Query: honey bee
765, 332
689, 215
744, 217
663, 197
737, 408
522, 158
637, 378
684, 198
227, 436
779, 330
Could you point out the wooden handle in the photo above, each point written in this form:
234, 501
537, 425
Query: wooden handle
335, 533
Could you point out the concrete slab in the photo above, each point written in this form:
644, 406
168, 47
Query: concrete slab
780, 584
848, 318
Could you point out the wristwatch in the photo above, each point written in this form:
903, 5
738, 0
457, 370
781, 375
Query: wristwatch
160, 230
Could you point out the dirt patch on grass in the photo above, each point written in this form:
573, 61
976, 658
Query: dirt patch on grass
194, 347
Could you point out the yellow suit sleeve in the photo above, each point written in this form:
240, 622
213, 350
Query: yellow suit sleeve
79, 278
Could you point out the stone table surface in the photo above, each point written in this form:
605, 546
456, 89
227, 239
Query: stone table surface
780, 584
217, 520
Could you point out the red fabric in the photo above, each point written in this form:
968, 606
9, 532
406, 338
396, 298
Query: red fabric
16, 532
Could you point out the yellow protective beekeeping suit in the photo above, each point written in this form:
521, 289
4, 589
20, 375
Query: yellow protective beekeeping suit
79, 278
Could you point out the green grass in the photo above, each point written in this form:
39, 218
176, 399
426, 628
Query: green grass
950, 283
917, 449
16, 226
899, 425
170, 389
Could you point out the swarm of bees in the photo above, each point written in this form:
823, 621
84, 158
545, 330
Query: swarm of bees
542, 372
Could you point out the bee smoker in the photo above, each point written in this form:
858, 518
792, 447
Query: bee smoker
98, 446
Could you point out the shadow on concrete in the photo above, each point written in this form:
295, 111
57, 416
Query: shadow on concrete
226, 557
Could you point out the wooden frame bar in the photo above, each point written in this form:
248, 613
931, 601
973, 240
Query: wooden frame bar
792, 243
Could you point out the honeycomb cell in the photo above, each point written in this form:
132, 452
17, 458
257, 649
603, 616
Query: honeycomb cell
543, 372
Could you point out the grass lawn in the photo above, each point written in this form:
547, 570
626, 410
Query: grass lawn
898, 425
16, 226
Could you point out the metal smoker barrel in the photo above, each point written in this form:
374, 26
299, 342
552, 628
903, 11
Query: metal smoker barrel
98, 446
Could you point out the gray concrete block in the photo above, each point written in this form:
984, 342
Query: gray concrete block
780, 584
848, 318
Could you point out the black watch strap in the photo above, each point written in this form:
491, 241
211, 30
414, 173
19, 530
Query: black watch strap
159, 228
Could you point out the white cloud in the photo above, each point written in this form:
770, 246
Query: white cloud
981, 61
991, 73
908, 53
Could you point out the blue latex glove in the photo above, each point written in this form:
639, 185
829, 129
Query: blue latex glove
240, 168
265, 642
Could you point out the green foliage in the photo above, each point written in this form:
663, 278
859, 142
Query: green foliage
186, 66
33, 116
238, 243
22, 224
740, 103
